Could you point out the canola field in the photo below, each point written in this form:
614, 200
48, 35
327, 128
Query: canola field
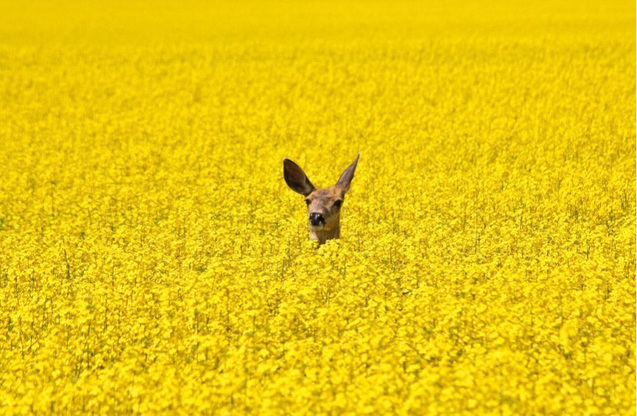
153, 260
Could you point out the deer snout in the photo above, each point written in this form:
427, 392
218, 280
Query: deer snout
317, 219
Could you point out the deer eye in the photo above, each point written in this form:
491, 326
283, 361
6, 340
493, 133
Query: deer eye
338, 203
307, 202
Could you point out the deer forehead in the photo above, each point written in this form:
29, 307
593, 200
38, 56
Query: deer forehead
326, 195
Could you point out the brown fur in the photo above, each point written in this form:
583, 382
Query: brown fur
323, 201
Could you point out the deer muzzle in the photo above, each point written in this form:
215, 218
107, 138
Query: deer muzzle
317, 219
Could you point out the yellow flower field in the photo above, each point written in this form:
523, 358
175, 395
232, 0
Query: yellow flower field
153, 260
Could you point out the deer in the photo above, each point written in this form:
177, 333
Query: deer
323, 204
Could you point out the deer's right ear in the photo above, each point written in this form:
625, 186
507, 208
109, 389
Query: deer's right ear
296, 179
346, 177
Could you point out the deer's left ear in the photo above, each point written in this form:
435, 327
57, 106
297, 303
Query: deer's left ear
346, 178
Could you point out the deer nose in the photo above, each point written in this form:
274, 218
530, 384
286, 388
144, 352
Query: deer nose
316, 219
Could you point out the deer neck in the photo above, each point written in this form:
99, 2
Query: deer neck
323, 235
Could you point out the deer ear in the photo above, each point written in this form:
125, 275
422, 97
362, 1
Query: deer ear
296, 179
347, 176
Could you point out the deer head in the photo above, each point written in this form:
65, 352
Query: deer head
323, 205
